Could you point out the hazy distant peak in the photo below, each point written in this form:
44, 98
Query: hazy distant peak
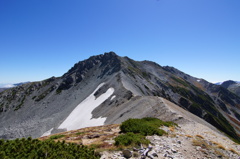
10, 85
7, 85
226, 84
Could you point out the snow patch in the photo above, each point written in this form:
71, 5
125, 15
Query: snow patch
198, 80
113, 97
81, 116
47, 132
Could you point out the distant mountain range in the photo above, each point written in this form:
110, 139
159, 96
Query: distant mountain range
219, 83
7, 86
233, 86
108, 89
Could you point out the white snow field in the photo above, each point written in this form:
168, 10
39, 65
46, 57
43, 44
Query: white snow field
81, 116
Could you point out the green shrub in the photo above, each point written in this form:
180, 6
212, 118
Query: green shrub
58, 91
145, 126
130, 139
21, 103
137, 129
56, 136
80, 133
48, 149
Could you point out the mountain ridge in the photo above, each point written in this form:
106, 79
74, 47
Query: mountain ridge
232, 86
48, 103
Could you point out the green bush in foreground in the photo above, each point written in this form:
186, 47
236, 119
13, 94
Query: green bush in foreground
137, 129
48, 149
145, 126
56, 136
131, 139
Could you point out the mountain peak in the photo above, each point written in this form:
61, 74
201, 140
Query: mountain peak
100, 65
232, 86
82, 67
118, 88
226, 84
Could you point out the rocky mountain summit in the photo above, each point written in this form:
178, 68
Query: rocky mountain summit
108, 89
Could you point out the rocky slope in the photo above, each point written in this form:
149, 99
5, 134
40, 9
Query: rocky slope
109, 89
184, 143
188, 141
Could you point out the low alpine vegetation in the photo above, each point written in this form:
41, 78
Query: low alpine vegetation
56, 136
145, 126
136, 129
131, 139
49, 149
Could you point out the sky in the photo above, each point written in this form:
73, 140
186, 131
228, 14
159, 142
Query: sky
44, 38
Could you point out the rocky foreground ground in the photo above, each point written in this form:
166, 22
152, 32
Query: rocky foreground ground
193, 138
189, 140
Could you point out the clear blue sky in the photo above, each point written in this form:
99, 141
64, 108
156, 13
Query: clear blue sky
44, 38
